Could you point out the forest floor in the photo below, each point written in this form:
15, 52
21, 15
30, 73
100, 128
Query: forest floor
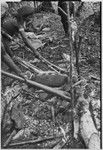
34, 110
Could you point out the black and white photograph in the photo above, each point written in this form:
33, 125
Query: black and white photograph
51, 66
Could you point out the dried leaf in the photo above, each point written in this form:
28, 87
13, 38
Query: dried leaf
67, 57
46, 29
36, 43
52, 48
31, 35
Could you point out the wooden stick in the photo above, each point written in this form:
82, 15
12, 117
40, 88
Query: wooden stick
60, 144
34, 141
71, 61
27, 64
94, 78
79, 82
9, 139
31, 67
6, 35
54, 91
63, 11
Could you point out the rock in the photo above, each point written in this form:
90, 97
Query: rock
4, 7
43, 96
52, 80
18, 116
25, 11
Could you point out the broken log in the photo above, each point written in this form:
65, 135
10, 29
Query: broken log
54, 91
88, 131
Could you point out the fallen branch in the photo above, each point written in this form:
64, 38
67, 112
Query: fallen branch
35, 141
30, 66
27, 65
63, 11
49, 78
60, 144
51, 145
94, 78
54, 91
9, 139
28, 44
79, 82
6, 35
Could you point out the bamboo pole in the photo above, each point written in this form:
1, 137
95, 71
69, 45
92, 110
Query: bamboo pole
71, 61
